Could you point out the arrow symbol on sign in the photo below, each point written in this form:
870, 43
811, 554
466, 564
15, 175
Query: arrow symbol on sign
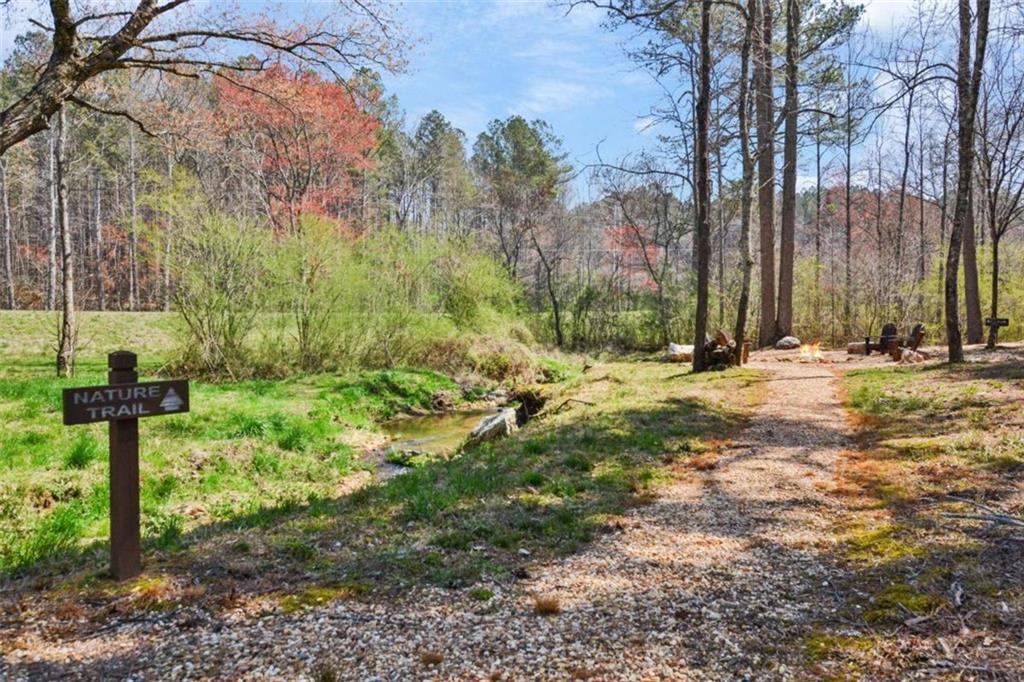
171, 401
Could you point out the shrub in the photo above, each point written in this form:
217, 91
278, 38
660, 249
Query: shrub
220, 265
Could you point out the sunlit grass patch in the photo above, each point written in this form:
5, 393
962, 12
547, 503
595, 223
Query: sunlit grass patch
881, 544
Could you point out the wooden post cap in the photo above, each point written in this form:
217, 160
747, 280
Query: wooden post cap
122, 359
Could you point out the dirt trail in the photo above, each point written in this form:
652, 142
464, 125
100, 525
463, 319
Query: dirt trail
720, 578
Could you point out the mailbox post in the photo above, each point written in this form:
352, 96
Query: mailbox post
122, 403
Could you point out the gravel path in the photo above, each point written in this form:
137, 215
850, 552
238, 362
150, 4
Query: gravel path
720, 578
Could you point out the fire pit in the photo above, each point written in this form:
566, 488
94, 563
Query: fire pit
811, 352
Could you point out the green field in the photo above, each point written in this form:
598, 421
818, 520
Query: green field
270, 477
245, 446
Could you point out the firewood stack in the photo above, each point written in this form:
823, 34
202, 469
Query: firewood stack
722, 351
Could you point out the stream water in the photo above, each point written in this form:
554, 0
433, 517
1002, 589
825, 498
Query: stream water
436, 434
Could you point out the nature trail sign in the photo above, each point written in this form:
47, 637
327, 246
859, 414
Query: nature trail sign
129, 401
122, 403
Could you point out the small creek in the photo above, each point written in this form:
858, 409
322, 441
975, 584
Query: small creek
435, 434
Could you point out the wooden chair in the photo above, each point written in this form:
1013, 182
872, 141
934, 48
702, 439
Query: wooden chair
885, 343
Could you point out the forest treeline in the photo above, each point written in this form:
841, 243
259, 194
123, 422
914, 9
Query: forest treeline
809, 178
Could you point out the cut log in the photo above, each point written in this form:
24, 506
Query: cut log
722, 338
855, 348
679, 353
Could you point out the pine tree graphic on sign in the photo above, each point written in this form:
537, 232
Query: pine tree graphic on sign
171, 401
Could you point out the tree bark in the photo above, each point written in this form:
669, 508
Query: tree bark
743, 109
133, 247
98, 257
703, 190
51, 235
968, 82
8, 239
972, 290
787, 247
993, 331
69, 328
765, 172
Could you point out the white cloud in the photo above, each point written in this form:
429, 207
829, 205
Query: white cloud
885, 15
645, 125
504, 10
548, 48
546, 96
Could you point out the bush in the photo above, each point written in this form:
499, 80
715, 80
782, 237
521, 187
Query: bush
220, 271
318, 299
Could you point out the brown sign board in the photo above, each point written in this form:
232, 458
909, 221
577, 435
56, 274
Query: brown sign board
89, 404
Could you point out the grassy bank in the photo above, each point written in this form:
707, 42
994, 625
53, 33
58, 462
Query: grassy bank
258, 505
934, 442
245, 446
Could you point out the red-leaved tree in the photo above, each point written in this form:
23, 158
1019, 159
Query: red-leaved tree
301, 138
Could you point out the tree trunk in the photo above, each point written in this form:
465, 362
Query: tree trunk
972, 291
904, 176
766, 172
703, 190
784, 320
51, 235
943, 212
968, 81
848, 216
921, 243
993, 331
98, 257
8, 238
69, 328
743, 111
133, 268
168, 241
721, 219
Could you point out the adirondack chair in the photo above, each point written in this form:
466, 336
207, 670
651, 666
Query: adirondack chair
885, 342
891, 342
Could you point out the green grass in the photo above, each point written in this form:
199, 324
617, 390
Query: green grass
254, 475
928, 432
546, 492
245, 446
30, 337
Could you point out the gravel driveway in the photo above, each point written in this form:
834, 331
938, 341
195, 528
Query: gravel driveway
719, 578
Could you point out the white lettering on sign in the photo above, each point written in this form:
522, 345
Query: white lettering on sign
107, 395
110, 411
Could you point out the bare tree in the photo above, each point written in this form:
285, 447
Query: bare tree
747, 160
764, 107
181, 38
1000, 160
68, 342
787, 233
8, 238
968, 83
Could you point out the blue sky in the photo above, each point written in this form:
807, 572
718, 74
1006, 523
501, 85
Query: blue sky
477, 60
480, 60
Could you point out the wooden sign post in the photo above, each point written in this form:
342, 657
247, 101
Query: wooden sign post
993, 324
122, 403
